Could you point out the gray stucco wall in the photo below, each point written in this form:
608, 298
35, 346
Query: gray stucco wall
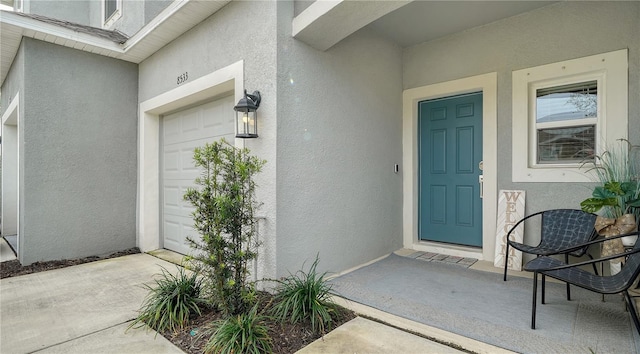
339, 136
133, 18
69, 10
554, 33
135, 14
153, 8
221, 40
78, 192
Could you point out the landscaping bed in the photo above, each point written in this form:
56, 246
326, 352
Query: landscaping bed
286, 337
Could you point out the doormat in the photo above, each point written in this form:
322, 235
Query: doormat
442, 258
479, 305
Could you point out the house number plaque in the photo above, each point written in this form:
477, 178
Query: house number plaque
182, 78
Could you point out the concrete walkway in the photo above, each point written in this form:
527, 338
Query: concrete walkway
87, 308
80, 309
6, 253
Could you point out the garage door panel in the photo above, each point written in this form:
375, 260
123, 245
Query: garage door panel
172, 229
181, 133
174, 203
222, 109
171, 196
186, 158
191, 122
171, 160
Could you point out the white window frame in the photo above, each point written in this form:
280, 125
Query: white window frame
609, 69
108, 22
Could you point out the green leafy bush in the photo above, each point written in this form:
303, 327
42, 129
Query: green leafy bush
305, 296
224, 202
243, 333
618, 173
171, 302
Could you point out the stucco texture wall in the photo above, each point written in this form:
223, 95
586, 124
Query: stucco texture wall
339, 136
558, 32
240, 31
78, 190
69, 10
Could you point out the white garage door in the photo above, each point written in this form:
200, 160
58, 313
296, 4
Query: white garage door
181, 132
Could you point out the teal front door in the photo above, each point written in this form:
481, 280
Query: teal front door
450, 156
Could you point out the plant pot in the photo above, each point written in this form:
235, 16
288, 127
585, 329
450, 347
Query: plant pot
615, 267
609, 227
628, 241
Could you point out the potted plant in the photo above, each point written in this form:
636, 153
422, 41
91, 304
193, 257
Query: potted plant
617, 196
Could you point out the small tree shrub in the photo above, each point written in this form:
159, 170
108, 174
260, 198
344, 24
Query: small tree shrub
305, 296
243, 333
224, 202
171, 302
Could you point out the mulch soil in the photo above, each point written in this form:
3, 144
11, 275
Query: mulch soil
14, 268
286, 337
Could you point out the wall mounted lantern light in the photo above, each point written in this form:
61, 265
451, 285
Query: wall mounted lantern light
247, 115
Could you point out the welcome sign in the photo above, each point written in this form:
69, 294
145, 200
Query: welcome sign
510, 210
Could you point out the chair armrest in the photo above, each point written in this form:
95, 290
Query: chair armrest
592, 261
599, 239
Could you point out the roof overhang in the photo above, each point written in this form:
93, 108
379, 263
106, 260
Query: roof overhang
172, 22
325, 23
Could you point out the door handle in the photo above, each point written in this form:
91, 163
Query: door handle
481, 182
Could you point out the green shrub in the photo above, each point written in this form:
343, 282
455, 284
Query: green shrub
305, 296
171, 302
224, 201
243, 333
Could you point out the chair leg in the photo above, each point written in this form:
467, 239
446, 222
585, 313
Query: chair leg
632, 310
595, 269
543, 286
506, 261
533, 307
566, 261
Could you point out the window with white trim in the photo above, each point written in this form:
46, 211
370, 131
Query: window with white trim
565, 113
111, 12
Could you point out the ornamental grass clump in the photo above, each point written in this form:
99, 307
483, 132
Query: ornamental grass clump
171, 302
305, 296
242, 333
224, 216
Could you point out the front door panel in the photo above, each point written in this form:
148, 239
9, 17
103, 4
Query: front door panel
450, 152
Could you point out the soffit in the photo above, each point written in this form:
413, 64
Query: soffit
176, 19
325, 23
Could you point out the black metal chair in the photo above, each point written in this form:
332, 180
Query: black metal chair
559, 229
572, 274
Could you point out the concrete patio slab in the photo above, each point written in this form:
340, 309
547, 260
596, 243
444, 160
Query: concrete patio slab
116, 340
361, 335
47, 309
424, 331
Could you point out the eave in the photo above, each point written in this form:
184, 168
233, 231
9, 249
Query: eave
179, 17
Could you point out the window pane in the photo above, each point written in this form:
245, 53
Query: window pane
567, 102
566, 145
109, 8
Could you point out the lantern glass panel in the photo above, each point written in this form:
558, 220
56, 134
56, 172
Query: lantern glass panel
246, 124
